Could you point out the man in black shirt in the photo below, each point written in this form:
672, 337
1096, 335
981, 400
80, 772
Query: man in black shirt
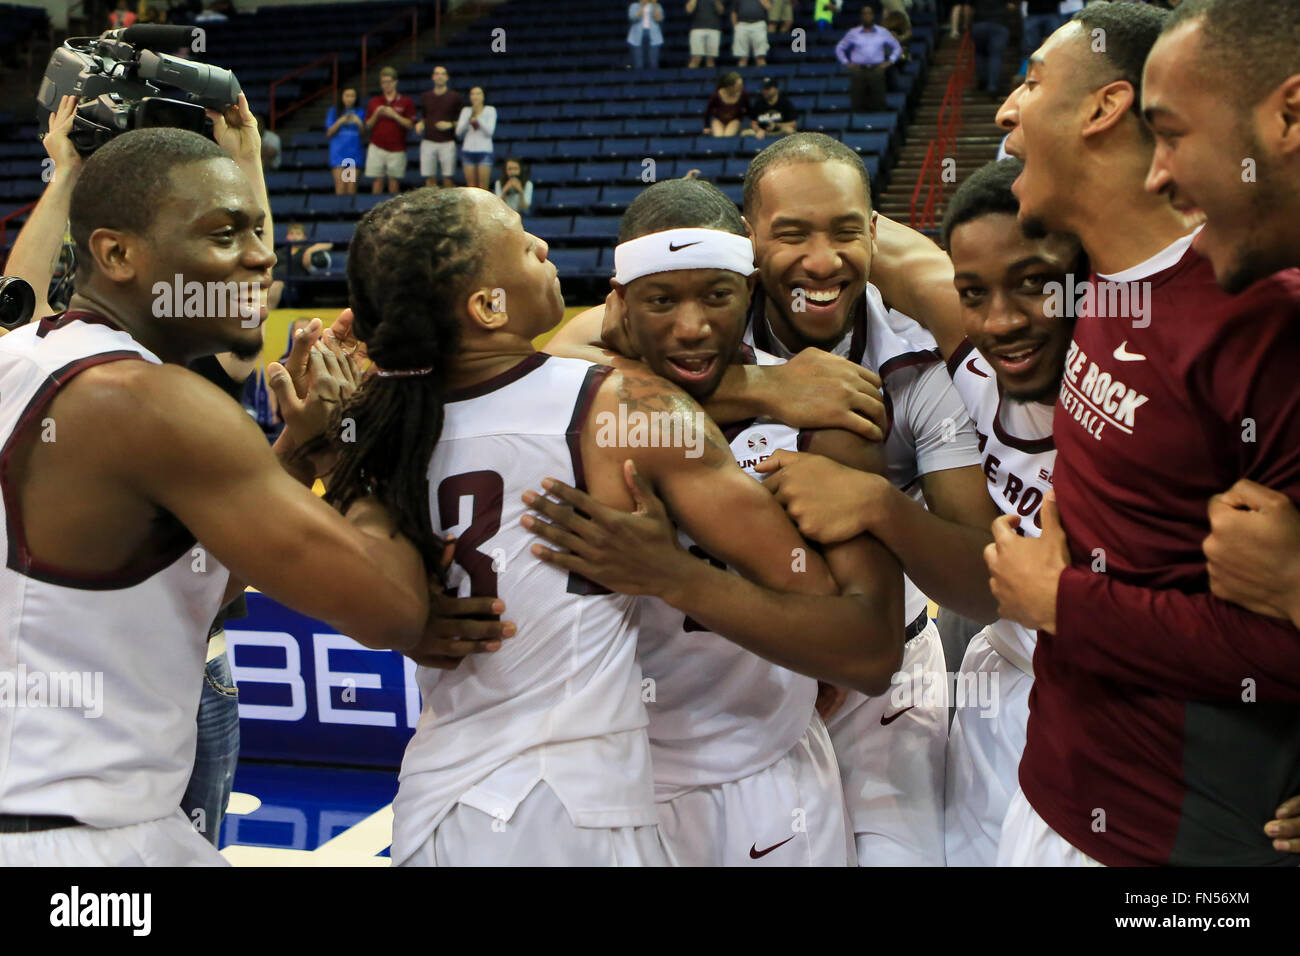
771, 113
706, 31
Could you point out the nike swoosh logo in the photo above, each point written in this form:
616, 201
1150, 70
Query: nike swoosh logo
684, 245
756, 854
1124, 355
971, 365
886, 721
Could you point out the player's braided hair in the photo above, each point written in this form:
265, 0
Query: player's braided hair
409, 264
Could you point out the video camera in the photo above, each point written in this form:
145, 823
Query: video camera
110, 75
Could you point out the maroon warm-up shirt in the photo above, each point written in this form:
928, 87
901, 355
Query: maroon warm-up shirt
1165, 723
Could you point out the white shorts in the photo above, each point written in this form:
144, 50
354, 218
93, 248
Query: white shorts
788, 814
170, 841
437, 159
984, 749
1028, 841
705, 42
382, 162
892, 762
750, 39
539, 833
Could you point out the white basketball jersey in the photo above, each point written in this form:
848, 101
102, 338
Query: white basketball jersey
560, 701
912, 375
719, 713
100, 675
1015, 439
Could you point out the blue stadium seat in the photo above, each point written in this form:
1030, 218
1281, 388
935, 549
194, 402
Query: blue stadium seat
624, 146
716, 145
288, 205
733, 191
670, 145
576, 263
874, 122
735, 168
531, 149
595, 228
330, 205
617, 197
574, 198
830, 123
602, 127
557, 174
336, 232
318, 180
599, 173
710, 169
550, 228
648, 127
867, 142
833, 102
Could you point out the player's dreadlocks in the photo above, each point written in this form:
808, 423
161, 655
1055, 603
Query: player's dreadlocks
410, 261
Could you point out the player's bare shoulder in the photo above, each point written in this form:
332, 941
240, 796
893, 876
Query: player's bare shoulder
657, 420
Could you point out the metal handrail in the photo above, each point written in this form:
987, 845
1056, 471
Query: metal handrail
298, 104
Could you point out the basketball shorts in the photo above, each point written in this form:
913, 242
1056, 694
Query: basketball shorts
169, 841
749, 39
538, 833
1027, 840
984, 749
891, 751
788, 814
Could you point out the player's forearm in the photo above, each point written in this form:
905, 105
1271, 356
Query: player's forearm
746, 392
1188, 646
36, 250
826, 636
944, 559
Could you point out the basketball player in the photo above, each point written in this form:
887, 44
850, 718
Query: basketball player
744, 768
503, 766
1221, 92
115, 460
1164, 724
824, 249
1005, 357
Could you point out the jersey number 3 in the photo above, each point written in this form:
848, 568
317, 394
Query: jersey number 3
485, 489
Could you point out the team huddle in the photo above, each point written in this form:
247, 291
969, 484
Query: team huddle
667, 579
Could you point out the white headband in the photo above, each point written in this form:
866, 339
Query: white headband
676, 249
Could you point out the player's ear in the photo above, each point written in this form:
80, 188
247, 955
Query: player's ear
117, 255
485, 310
1281, 110
1110, 105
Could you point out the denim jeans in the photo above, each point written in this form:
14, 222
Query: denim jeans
1038, 27
645, 55
217, 753
990, 43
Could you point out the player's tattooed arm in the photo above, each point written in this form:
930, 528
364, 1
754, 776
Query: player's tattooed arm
915, 277
786, 608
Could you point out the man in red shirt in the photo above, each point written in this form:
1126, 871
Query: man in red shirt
1164, 722
1221, 93
388, 118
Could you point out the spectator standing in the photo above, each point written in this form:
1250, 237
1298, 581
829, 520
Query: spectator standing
1044, 17
990, 32
824, 12
515, 189
389, 117
645, 36
476, 124
771, 113
900, 25
727, 106
441, 108
706, 31
780, 16
749, 18
343, 125
121, 17
271, 155
868, 51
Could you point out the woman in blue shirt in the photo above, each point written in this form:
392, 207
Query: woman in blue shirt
344, 126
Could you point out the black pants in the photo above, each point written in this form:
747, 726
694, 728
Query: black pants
867, 90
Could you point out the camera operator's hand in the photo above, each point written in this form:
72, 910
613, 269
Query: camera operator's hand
67, 161
235, 131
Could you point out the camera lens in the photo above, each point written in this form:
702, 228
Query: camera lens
17, 302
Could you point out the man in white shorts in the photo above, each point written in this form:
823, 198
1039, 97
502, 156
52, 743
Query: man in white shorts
744, 768
389, 117
706, 31
749, 19
440, 108
808, 207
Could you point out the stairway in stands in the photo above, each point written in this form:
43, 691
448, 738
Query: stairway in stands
976, 143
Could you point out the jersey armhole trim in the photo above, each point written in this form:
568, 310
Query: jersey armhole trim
591, 384
20, 558
958, 356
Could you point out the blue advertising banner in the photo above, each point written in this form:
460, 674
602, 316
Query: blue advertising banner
308, 693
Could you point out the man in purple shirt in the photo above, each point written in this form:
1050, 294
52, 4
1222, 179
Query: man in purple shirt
868, 51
